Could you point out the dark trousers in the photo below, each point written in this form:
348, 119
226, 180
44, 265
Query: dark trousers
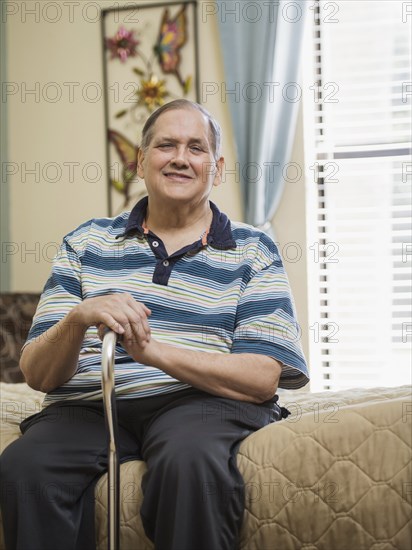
193, 490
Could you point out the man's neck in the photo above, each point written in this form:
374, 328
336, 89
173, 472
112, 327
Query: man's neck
183, 220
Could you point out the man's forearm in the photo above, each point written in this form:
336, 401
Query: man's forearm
245, 376
50, 360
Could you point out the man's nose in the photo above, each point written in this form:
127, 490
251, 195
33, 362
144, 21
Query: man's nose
180, 157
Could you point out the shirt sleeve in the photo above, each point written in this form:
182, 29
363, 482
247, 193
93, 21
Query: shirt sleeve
63, 289
266, 321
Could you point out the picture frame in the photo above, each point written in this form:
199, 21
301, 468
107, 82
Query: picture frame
150, 57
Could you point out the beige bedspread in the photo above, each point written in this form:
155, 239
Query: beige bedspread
335, 475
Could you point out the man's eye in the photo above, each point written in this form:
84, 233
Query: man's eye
196, 148
165, 145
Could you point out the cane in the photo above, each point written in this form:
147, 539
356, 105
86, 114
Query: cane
109, 401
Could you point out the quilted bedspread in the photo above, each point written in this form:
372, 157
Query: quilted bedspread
335, 475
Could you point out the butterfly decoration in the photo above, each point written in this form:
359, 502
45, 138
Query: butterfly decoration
156, 66
172, 37
128, 156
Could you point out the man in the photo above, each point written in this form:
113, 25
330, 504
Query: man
206, 321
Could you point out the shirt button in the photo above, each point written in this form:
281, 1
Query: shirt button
166, 263
155, 244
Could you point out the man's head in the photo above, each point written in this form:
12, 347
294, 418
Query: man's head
178, 104
179, 158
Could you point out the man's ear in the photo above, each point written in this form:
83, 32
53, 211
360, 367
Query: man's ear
140, 158
219, 171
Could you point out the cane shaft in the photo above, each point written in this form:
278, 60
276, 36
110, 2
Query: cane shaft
109, 400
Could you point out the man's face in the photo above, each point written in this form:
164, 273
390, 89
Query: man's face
178, 164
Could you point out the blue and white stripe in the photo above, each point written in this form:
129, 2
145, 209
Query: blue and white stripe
235, 299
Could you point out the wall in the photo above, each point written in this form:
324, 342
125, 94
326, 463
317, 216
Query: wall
71, 130
290, 232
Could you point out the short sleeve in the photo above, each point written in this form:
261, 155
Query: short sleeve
266, 322
61, 292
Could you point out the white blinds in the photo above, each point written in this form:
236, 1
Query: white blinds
358, 154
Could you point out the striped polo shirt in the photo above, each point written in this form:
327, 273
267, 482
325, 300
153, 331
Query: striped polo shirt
225, 293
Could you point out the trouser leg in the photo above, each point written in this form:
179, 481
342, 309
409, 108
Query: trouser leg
193, 490
48, 476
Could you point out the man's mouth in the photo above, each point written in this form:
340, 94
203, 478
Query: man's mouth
178, 176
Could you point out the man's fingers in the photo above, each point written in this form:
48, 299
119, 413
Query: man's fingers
138, 321
102, 328
122, 314
139, 308
137, 332
109, 321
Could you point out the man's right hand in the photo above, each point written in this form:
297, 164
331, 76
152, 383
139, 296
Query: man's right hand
119, 312
51, 359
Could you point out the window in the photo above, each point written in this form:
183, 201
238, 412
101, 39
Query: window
359, 170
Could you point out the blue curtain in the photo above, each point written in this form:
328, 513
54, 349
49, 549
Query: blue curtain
261, 43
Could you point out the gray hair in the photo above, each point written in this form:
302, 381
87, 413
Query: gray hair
214, 127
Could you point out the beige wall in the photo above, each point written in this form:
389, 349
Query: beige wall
44, 132
290, 232
65, 132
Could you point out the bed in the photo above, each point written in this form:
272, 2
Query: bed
335, 475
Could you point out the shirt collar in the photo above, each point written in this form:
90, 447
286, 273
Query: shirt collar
219, 236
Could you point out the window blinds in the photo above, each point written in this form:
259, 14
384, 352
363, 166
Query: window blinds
358, 157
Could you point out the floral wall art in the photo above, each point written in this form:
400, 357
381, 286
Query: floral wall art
150, 58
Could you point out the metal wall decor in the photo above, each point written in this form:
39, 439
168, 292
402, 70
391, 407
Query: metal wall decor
150, 57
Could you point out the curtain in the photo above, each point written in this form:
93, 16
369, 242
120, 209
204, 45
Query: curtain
261, 43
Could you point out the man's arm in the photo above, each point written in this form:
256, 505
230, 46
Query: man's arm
51, 359
243, 376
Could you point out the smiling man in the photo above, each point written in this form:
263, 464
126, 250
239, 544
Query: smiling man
208, 333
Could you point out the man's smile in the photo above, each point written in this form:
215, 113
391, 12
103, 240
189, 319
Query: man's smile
177, 176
